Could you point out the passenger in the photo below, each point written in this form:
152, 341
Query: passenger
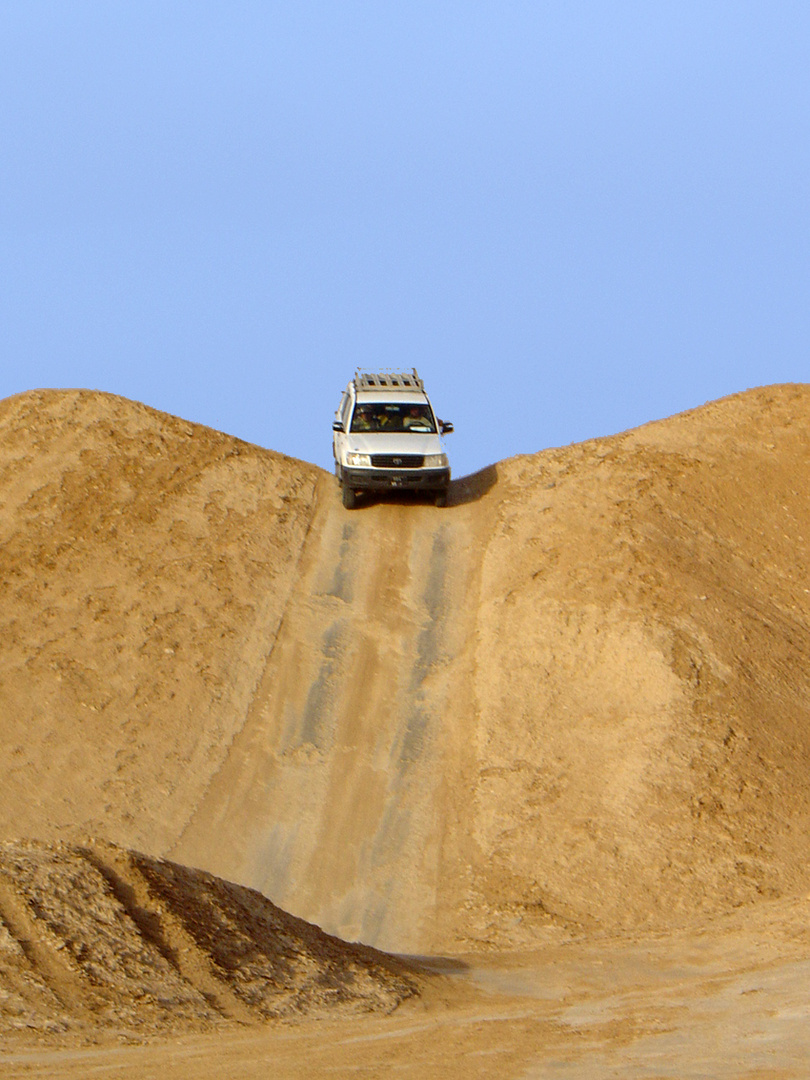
361, 421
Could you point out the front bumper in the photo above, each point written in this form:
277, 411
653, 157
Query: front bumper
396, 479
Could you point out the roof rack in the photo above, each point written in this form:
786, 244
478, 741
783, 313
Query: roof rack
388, 380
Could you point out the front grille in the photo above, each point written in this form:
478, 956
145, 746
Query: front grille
397, 461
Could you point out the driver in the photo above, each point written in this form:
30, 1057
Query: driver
415, 418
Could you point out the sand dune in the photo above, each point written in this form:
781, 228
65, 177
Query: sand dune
575, 701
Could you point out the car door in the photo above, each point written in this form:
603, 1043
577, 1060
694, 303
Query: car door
339, 437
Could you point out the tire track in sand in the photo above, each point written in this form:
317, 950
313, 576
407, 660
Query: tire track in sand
326, 801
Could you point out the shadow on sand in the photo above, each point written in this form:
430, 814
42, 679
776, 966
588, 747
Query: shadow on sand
434, 965
471, 488
466, 489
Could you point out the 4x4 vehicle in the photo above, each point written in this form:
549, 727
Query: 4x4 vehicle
386, 436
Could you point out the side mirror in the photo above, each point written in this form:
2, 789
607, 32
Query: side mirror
337, 425
445, 427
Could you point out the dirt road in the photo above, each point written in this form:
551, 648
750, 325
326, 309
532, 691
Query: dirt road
726, 1001
340, 764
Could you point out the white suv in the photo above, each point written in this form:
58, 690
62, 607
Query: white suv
387, 437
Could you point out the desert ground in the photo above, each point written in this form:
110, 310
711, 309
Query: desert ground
515, 787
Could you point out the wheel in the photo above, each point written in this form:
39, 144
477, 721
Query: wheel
440, 498
349, 497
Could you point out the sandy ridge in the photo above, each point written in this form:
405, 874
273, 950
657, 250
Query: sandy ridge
576, 698
572, 705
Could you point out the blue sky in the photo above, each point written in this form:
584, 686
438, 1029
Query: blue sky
571, 217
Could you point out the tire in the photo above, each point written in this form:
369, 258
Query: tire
349, 498
440, 499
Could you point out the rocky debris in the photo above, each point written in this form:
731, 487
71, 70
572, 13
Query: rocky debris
95, 937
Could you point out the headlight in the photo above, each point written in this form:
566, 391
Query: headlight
435, 461
360, 459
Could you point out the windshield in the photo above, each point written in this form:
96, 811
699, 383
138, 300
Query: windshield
393, 416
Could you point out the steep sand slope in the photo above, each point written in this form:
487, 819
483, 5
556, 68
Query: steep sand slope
578, 700
642, 669
144, 567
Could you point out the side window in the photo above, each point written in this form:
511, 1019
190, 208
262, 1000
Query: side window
344, 411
